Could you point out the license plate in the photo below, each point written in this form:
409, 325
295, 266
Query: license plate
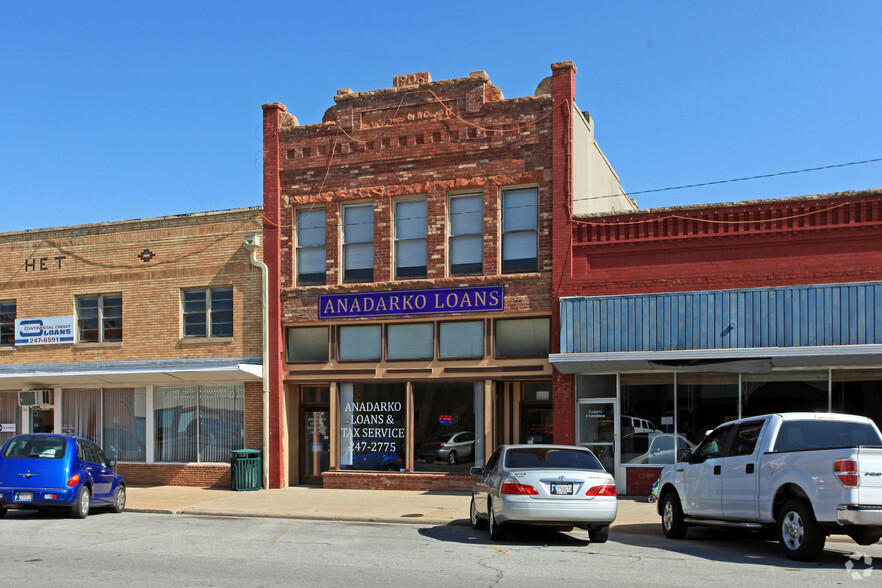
561, 489
24, 496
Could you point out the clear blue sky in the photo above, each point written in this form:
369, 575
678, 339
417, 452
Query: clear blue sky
116, 110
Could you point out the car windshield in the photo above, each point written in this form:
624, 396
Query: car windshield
36, 447
539, 457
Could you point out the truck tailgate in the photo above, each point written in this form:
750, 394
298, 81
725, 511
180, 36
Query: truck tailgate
870, 474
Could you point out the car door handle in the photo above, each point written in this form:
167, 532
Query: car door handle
748, 469
717, 470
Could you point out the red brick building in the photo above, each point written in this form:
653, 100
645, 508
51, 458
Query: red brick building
411, 261
675, 320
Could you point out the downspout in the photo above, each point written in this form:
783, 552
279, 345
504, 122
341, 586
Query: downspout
252, 242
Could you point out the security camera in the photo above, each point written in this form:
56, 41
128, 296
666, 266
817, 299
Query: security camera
252, 241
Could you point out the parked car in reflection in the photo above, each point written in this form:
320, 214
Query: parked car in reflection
373, 453
58, 472
123, 445
549, 485
451, 448
653, 448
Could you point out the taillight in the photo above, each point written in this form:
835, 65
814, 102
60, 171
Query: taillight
74, 480
846, 471
518, 489
605, 490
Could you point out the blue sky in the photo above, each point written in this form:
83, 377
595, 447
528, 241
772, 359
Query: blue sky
114, 110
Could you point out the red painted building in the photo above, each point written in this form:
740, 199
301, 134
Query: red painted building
411, 253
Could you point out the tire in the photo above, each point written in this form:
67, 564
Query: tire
80, 507
477, 521
119, 499
598, 534
673, 525
801, 538
451, 458
2, 512
497, 531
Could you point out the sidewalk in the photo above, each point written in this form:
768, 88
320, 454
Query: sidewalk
308, 502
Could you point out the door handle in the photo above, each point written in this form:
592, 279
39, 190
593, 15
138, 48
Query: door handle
748, 469
717, 470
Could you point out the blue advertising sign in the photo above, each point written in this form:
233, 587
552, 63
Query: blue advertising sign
48, 330
479, 299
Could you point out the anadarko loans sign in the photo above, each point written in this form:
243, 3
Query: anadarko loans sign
47, 330
479, 299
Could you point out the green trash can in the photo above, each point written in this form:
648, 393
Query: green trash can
245, 473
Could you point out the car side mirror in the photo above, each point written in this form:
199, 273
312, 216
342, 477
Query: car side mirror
476, 471
684, 455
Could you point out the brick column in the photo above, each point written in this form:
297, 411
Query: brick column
272, 194
563, 95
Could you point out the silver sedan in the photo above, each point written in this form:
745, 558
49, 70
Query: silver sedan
550, 485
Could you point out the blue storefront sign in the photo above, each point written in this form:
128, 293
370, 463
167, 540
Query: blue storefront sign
394, 303
48, 330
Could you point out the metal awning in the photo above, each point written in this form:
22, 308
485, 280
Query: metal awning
750, 360
130, 373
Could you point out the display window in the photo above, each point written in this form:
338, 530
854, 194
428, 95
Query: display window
444, 427
372, 426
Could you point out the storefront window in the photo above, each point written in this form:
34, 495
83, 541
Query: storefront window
124, 434
307, 344
523, 337
198, 423
647, 419
81, 414
461, 339
10, 412
703, 402
361, 343
784, 392
858, 392
416, 341
446, 426
373, 426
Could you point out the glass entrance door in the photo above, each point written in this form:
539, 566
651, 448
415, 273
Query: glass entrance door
315, 444
42, 420
597, 430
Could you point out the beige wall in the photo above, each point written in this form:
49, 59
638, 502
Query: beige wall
596, 187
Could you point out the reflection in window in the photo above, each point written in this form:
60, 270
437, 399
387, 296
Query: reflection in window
415, 341
523, 337
361, 343
858, 392
198, 423
461, 339
784, 392
647, 419
307, 344
373, 425
445, 426
705, 401
124, 423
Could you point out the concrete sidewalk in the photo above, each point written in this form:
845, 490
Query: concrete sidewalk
308, 502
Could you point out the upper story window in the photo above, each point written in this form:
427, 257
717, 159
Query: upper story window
520, 230
99, 318
358, 243
208, 312
308, 344
466, 240
529, 337
7, 322
311, 253
410, 239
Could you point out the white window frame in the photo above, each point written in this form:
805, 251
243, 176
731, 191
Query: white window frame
348, 244
102, 337
208, 312
460, 238
300, 248
517, 231
399, 242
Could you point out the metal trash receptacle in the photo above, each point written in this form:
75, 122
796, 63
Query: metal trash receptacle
245, 469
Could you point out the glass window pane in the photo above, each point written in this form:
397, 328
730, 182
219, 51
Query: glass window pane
410, 219
410, 259
124, 432
112, 306
87, 308
308, 344
444, 427
358, 224
361, 343
360, 256
858, 392
311, 261
523, 337
81, 413
705, 401
221, 422
194, 300
647, 420
520, 210
175, 424
411, 341
7, 326
373, 427
194, 325
221, 299
222, 324
461, 339
517, 246
466, 215
311, 228
784, 392
466, 249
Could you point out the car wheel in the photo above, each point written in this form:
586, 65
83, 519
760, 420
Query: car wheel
451, 458
2, 512
392, 468
672, 517
598, 534
476, 520
497, 531
80, 507
119, 499
802, 539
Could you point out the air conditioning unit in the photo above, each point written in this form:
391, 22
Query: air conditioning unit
34, 397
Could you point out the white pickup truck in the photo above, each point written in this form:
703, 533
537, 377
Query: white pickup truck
802, 475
